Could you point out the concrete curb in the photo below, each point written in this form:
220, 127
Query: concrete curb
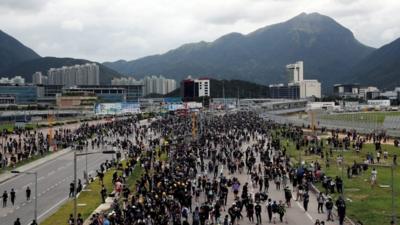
8, 175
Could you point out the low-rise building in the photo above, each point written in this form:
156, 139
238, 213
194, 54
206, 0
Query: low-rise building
23, 94
76, 100
104, 93
346, 90
6, 99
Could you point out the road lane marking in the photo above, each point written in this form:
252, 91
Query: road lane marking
25, 186
51, 208
307, 214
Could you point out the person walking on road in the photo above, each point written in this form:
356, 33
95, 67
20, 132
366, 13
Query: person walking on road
28, 194
5, 198
12, 196
306, 199
269, 210
341, 208
33, 222
17, 222
329, 207
281, 210
288, 196
321, 201
258, 210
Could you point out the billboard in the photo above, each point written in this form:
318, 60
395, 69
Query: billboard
380, 102
173, 107
116, 108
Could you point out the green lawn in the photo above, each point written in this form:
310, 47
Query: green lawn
370, 205
91, 197
377, 117
8, 126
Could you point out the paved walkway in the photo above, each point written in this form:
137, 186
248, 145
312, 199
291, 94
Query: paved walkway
295, 215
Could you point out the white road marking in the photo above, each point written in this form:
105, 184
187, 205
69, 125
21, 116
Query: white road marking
51, 208
25, 186
307, 214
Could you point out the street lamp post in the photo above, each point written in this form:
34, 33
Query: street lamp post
76, 155
36, 190
394, 217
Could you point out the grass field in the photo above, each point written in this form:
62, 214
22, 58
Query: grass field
375, 117
370, 205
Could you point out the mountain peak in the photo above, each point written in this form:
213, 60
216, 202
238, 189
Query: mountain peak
327, 48
13, 52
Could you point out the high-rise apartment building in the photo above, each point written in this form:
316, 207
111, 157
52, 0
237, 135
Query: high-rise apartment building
39, 78
158, 85
87, 74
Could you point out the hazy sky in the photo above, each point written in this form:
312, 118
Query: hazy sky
108, 30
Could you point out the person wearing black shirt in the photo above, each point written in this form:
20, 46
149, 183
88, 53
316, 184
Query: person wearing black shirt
28, 194
5, 197
17, 222
269, 210
258, 209
341, 208
329, 207
12, 196
306, 199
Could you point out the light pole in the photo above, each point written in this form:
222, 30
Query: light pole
76, 155
36, 190
394, 217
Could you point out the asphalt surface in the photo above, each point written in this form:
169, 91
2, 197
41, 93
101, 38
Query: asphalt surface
295, 215
54, 178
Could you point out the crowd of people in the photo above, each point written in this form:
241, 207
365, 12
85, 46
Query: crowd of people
222, 176
233, 168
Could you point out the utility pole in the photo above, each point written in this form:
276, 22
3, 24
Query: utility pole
394, 217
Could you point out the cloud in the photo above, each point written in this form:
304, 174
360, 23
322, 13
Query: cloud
127, 29
74, 25
24, 5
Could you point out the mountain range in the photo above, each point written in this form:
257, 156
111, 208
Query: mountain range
13, 52
381, 68
17, 59
329, 50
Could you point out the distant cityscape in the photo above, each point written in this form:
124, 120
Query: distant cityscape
83, 81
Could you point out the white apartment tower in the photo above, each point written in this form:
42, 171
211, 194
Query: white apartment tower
158, 85
204, 86
295, 72
87, 74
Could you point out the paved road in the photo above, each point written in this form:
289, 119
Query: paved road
294, 215
54, 178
